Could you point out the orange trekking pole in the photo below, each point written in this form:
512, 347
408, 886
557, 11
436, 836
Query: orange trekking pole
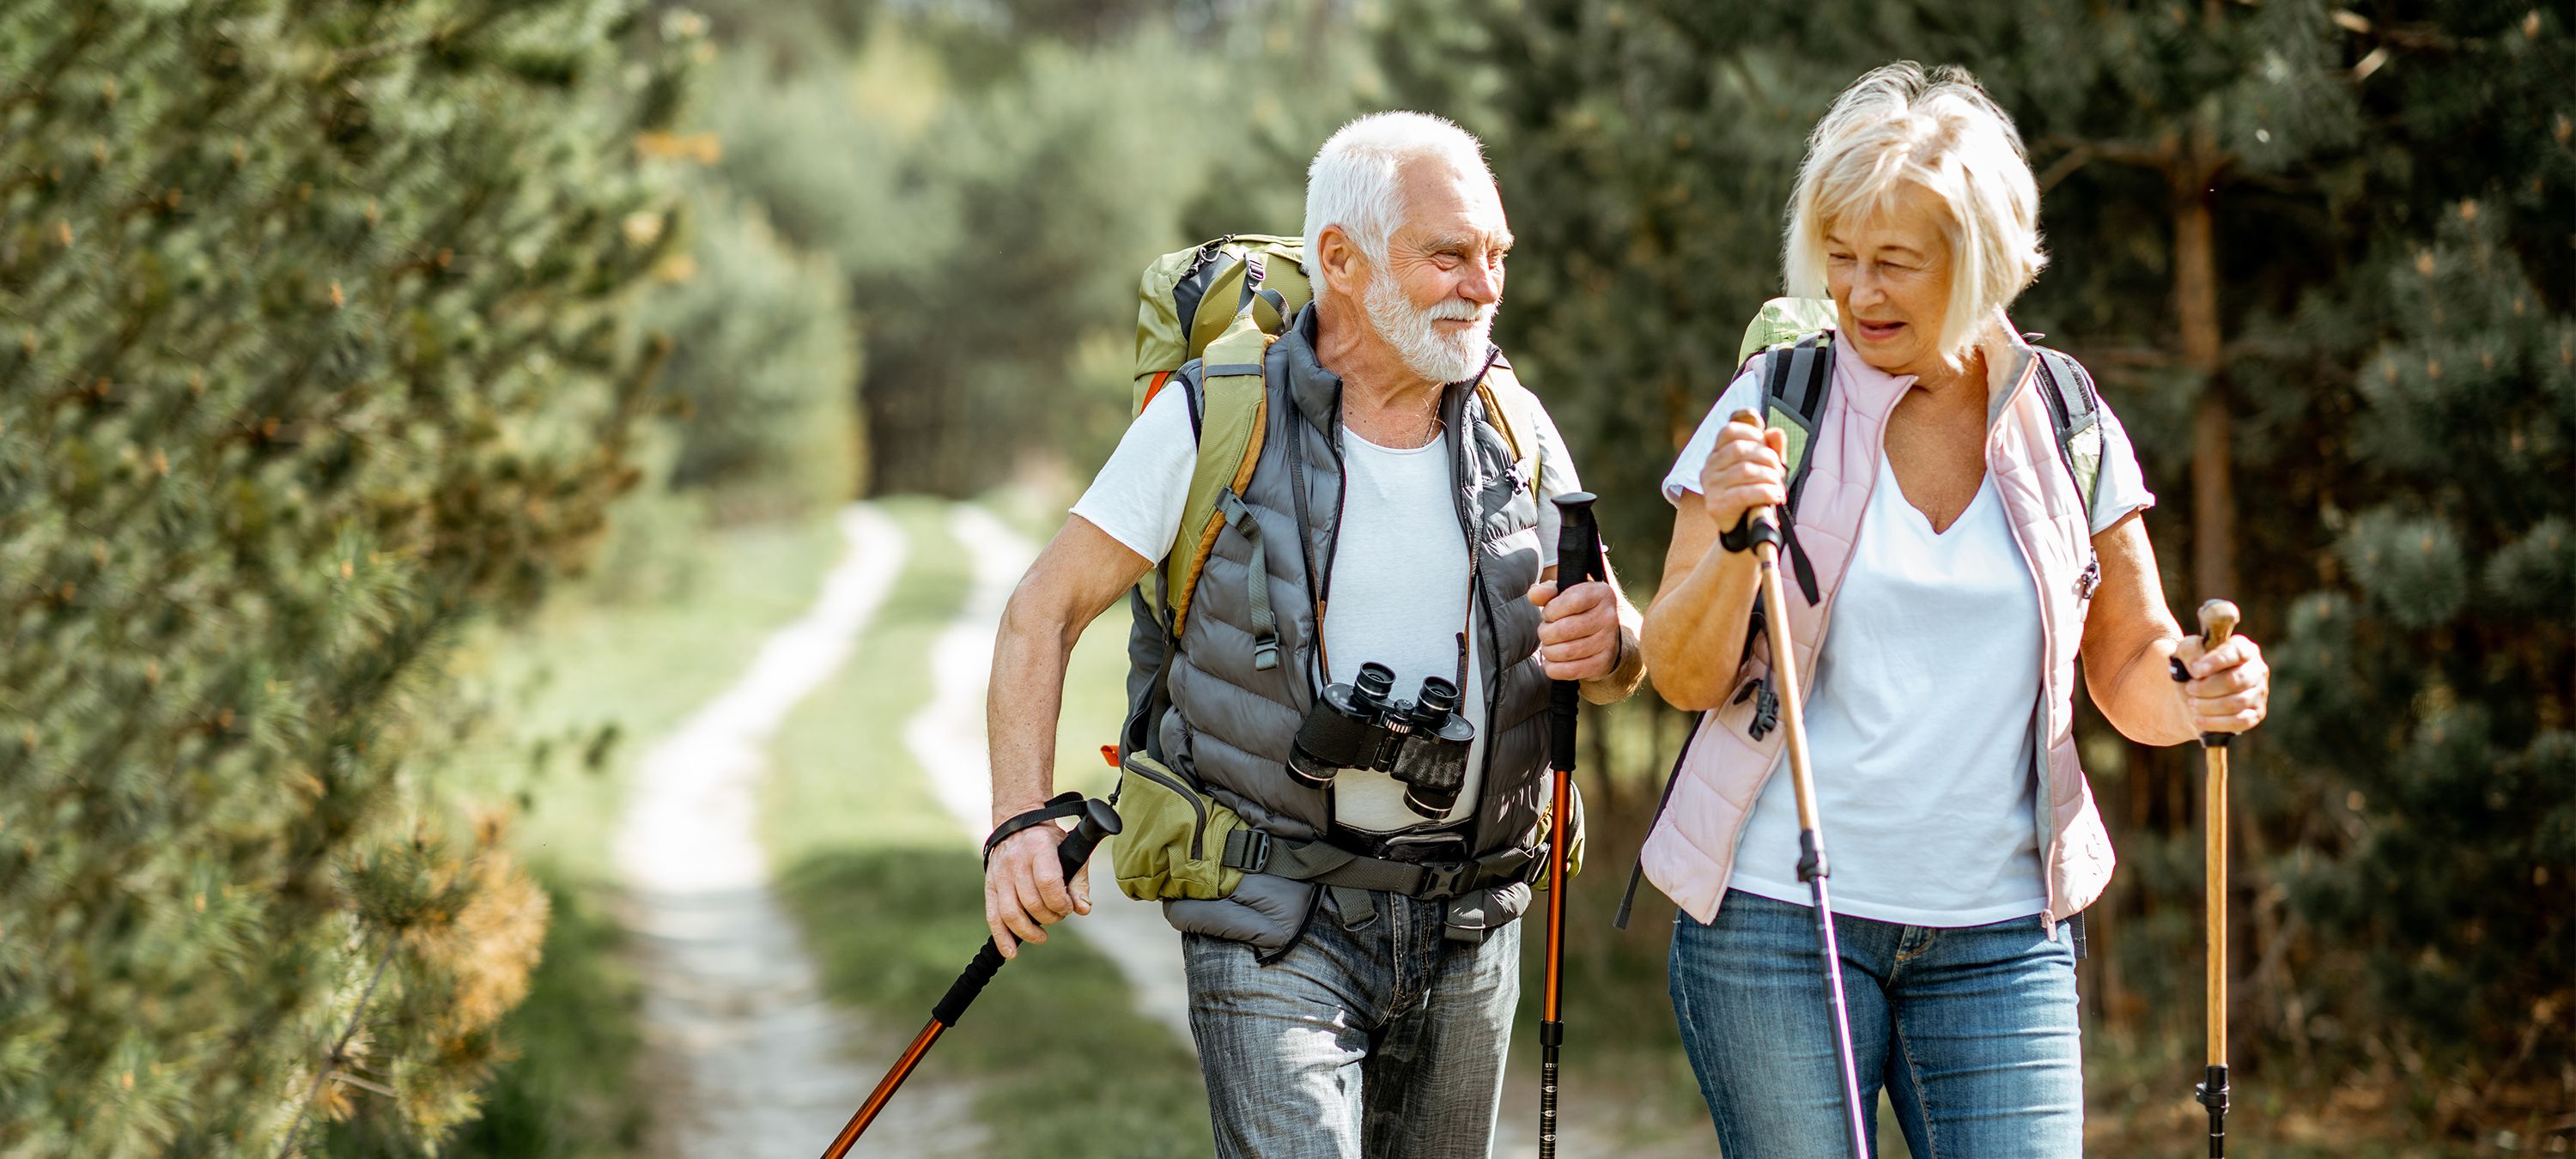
1098, 820
2218, 620
1578, 559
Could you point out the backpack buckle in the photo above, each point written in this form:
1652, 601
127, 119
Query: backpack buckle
1442, 880
1247, 849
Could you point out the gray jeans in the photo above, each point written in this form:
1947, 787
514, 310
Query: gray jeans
1385, 1042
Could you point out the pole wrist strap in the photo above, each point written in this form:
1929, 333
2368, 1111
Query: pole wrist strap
1058, 807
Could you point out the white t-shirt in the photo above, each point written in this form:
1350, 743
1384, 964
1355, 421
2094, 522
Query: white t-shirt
1399, 577
1920, 716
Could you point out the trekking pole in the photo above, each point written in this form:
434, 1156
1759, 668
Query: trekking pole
2218, 620
1811, 839
1578, 559
1098, 820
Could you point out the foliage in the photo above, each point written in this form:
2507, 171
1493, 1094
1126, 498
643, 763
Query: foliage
990, 229
763, 360
312, 355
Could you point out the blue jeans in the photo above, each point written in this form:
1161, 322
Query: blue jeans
1971, 1031
1386, 1041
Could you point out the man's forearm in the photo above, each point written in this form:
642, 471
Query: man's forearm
1020, 711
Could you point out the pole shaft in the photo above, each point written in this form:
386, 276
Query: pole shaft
1855, 1126
1559, 820
1551, 1021
1784, 679
2214, 851
1793, 722
1547, 1106
884, 1093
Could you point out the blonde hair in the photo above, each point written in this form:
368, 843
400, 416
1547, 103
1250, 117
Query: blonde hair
1898, 126
1355, 183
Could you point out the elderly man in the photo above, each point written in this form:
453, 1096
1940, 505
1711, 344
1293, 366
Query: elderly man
1352, 992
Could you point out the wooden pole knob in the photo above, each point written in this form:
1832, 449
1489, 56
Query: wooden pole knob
2218, 620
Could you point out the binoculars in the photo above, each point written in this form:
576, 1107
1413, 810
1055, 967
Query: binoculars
1422, 742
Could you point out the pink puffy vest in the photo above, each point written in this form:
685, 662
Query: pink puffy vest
1691, 852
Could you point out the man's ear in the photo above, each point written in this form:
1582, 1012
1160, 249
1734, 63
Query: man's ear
1340, 262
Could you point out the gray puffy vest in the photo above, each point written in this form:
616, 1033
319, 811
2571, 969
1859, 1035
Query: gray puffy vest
1230, 723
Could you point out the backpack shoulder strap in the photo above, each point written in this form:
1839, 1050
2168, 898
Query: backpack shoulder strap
1508, 405
2075, 410
1796, 379
1231, 412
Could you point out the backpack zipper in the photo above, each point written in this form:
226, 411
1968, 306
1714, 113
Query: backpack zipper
1198, 832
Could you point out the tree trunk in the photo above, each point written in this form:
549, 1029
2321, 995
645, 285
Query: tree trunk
2213, 493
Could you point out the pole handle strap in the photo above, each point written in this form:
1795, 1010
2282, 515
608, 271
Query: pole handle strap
1061, 806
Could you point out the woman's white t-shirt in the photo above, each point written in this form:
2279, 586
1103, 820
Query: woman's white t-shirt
1399, 574
1919, 722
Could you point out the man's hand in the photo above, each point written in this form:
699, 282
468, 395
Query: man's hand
1025, 890
2230, 688
1578, 637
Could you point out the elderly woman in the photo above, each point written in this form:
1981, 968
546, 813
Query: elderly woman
1960, 576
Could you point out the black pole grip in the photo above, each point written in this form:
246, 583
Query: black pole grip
1578, 560
1578, 540
962, 992
1098, 820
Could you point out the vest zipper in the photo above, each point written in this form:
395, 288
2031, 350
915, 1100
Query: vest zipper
1463, 446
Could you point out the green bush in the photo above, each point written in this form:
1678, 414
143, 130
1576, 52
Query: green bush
310, 352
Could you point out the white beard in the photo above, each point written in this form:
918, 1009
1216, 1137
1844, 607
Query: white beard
1438, 357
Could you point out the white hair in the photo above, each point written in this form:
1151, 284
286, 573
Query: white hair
1898, 126
1354, 181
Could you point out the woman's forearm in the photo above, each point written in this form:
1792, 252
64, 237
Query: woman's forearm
1694, 634
2139, 697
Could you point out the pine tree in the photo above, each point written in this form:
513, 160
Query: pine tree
310, 352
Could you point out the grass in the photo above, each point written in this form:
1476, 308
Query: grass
889, 893
572, 696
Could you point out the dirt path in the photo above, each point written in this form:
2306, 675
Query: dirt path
760, 1063
947, 740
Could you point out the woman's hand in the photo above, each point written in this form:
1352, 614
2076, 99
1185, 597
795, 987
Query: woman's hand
1745, 470
2230, 687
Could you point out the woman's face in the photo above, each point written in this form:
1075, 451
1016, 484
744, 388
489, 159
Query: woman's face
1889, 274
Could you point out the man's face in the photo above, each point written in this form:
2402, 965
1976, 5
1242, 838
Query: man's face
1434, 300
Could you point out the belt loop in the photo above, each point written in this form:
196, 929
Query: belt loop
1357, 910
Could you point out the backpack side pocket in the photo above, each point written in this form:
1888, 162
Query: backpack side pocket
1171, 844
